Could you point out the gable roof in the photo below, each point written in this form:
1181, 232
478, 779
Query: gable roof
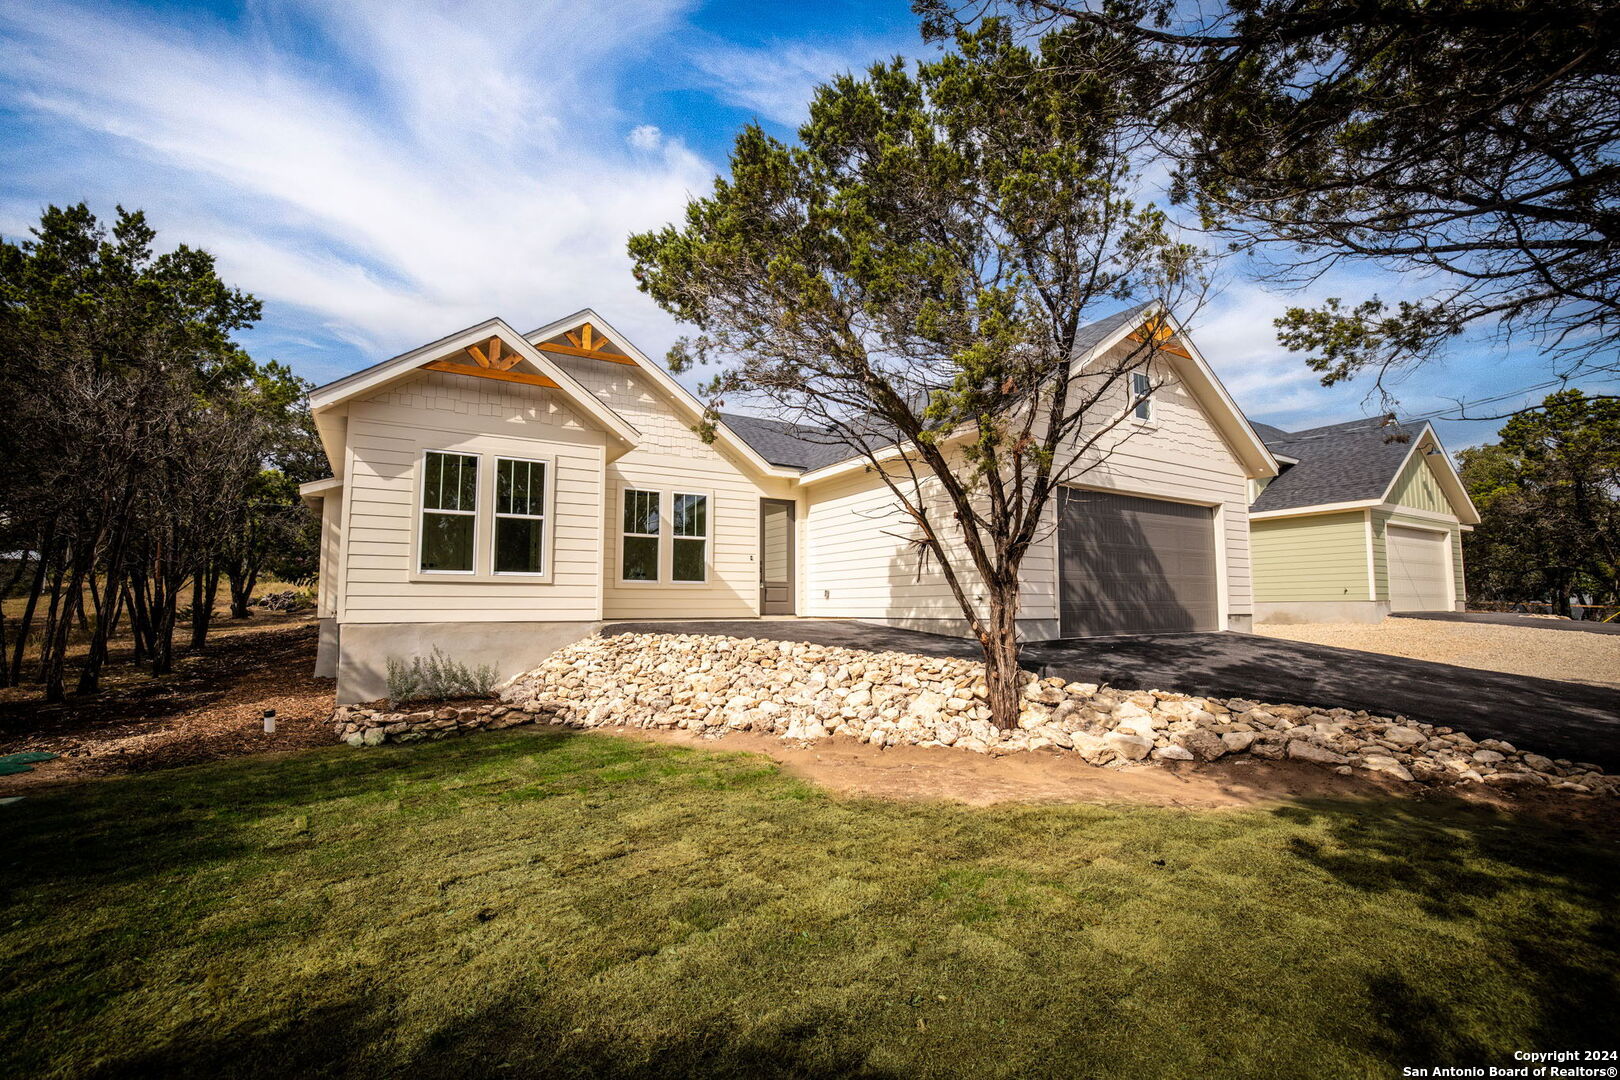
803, 447
1357, 462
324, 398
674, 391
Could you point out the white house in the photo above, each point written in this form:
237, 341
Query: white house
500, 494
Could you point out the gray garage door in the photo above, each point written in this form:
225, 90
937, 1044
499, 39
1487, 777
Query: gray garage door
1134, 566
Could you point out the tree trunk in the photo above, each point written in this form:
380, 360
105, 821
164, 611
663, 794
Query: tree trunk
204, 591
55, 648
53, 615
16, 576
243, 577
26, 623
999, 640
112, 597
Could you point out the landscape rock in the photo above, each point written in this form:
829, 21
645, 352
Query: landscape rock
803, 692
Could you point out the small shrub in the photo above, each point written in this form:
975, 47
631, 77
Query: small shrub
437, 676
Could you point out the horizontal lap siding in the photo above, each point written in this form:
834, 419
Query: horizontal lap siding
859, 563
1179, 456
672, 458
387, 434
1320, 557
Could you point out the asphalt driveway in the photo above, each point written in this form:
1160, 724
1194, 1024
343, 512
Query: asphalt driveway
1561, 720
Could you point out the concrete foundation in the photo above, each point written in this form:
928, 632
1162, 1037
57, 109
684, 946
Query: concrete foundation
1321, 611
326, 650
1243, 624
511, 647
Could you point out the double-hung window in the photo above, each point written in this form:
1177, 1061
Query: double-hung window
642, 525
520, 516
690, 559
449, 512
1142, 394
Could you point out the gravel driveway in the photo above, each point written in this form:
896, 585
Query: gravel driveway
1513, 650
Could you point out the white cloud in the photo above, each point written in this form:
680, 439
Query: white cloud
777, 82
464, 180
645, 137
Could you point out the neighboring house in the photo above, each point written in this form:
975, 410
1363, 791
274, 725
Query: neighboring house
1364, 518
501, 494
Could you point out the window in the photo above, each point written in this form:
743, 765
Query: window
520, 516
1142, 394
691, 518
641, 529
449, 505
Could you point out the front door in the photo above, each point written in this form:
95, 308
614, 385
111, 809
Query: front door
776, 557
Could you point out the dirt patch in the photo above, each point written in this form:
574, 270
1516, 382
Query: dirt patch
1513, 650
210, 707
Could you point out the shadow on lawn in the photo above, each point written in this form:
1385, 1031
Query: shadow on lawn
1436, 855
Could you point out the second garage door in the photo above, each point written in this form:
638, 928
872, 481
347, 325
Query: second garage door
1417, 569
1129, 565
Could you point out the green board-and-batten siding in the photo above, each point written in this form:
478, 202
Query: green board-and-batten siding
1417, 487
1317, 557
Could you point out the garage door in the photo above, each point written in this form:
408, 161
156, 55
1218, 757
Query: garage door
1134, 566
1417, 569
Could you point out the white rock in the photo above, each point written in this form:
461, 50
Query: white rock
1383, 763
1130, 747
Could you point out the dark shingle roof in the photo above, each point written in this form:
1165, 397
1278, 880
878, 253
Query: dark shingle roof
1338, 463
796, 446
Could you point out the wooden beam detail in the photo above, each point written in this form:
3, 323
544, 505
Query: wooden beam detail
593, 354
485, 373
1163, 346
478, 355
585, 333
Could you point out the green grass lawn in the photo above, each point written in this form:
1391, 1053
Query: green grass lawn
551, 903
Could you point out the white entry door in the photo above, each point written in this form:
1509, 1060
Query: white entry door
1419, 569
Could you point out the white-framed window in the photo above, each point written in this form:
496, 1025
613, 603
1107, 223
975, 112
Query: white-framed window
449, 519
689, 515
1142, 394
638, 547
520, 516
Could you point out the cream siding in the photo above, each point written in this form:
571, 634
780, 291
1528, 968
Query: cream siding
1317, 557
672, 458
860, 562
387, 434
327, 586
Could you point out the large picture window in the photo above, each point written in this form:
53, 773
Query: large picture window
690, 517
449, 512
639, 558
520, 516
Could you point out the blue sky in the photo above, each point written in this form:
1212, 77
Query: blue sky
382, 173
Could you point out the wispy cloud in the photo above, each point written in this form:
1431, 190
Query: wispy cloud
431, 171
777, 82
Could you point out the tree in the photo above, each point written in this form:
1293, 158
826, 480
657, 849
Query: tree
1467, 144
912, 277
1548, 494
117, 365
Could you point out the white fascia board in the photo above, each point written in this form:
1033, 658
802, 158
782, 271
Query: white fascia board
1251, 450
316, 491
1320, 508
335, 393
678, 394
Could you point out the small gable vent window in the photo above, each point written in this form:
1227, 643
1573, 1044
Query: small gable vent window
1142, 394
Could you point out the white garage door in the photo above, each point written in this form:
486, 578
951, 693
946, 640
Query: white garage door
1417, 569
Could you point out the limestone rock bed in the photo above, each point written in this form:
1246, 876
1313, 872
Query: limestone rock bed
799, 691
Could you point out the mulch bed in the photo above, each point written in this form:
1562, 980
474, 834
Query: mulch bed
210, 707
